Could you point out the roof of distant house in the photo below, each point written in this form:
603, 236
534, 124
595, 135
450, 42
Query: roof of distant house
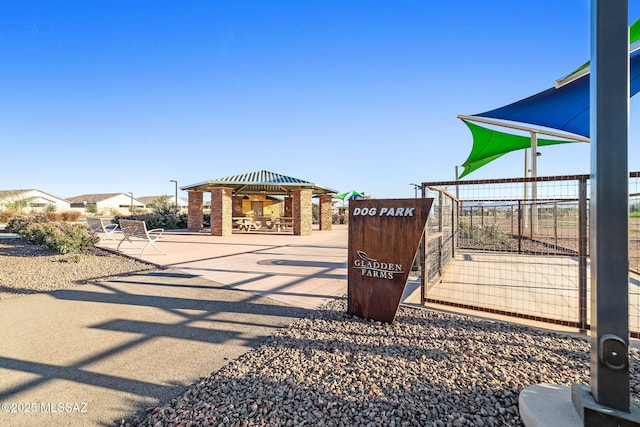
19, 193
95, 198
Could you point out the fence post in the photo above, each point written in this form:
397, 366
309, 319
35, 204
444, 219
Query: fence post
555, 224
454, 226
520, 218
531, 208
440, 230
512, 218
582, 253
422, 253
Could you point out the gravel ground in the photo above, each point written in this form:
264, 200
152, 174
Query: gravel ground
28, 269
426, 369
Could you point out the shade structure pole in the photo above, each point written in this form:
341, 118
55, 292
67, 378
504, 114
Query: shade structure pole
608, 225
526, 189
534, 184
457, 186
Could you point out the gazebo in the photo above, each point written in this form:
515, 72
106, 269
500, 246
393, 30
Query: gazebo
229, 193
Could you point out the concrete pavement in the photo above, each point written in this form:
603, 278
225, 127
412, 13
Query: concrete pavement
93, 354
303, 271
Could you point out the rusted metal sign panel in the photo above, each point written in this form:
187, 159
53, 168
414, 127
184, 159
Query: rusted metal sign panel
384, 235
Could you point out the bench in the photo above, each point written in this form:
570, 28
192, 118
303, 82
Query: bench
138, 229
283, 224
102, 228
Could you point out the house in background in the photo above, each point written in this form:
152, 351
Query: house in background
106, 204
31, 201
151, 201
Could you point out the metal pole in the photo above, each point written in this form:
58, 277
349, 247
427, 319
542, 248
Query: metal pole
554, 212
520, 221
457, 186
440, 232
176, 183
422, 251
609, 197
512, 218
415, 189
526, 188
534, 184
454, 226
458, 206
582, 253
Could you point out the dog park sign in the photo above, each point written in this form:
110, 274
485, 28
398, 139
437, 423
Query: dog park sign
384, 236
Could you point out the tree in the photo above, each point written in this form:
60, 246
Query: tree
159, 202
15, 203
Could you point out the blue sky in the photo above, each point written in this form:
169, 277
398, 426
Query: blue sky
123, 96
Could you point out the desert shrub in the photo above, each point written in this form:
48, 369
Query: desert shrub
70, 238
18, 223
52, 215
5, 216
163, 216
71, 216
339, 219
487, 237
61, 237
92, 208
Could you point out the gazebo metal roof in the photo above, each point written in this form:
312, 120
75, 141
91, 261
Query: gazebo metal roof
260, 182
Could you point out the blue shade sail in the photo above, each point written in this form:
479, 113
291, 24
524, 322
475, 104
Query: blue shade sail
565, 108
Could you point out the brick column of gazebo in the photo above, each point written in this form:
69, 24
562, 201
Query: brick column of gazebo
194, 211
325, 214
302, 218
221, 206
236, 203
288, 206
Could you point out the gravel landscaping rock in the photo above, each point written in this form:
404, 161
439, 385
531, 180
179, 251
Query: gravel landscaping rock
426, 369
27, 269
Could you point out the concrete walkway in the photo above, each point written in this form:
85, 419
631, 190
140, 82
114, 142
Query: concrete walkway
91, 355
302, 271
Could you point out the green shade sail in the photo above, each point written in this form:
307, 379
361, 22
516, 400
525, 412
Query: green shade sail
489, 144
634, 32
349, 195
634, 36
